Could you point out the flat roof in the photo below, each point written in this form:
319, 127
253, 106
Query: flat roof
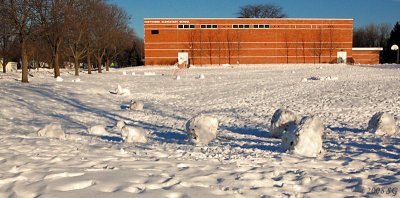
367, 48
260, 18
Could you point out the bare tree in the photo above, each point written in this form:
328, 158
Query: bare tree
371, 36
287, 45
261, 11
331, 42
6, 41
238, 40
192, 36
19, 14
229, 46
210, 38
303, 46
318, 44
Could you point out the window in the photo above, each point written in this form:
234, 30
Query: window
261, 26
255, 26
246, 26
191, 26
186, 26
240, 26
154, 31
266, 26
235, 26
180, 26
208, 26
214, 26
203, 26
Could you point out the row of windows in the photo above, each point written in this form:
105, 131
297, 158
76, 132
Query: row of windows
216, 26
185, 26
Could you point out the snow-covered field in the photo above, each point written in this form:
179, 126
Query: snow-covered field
244, 161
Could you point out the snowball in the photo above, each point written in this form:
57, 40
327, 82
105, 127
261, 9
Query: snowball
304, 80
133, 73
59, 79
121, 91
202, 129
382, 123
53, 130
201, 76
136, 105
305, 138
280, 122
133, 134
178, 77
124, 73
98, 130
120, 124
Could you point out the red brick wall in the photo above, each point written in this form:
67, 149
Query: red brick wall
285, 41
370, 57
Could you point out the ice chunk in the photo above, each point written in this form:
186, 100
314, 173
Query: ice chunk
53, 130
305, 138
133, 134
202, 129
382, 123
280, 122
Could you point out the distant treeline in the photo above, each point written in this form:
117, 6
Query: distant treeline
378, 36
59, 33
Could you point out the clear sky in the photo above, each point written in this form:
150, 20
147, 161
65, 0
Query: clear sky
364, 12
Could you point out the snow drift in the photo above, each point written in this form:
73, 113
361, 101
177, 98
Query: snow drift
53, 130
133, 134
280, 122
202, 129
382, 123
305, 138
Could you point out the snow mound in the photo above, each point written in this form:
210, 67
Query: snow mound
201, 76
136, 105
122, 91
133, 73
202, 129
59, 79
305, 138
133, 134
124, 73
382, 123
53, 130
98, 130
178, 77
280, 122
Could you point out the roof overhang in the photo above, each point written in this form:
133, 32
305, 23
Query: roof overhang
367, 48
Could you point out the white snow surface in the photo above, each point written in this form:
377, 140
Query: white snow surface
136, 105
202, 129
243, 162
382, 123
305, 138
280, 122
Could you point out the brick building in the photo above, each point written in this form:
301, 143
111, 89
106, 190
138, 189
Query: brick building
248, 41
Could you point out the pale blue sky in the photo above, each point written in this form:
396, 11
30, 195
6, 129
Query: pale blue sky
364, 12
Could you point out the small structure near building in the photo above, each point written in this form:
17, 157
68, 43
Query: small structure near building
366, 55
11, 66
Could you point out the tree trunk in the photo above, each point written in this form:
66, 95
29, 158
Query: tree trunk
108, 64
99, 63
56, 66
4, 64
76, 66
89, 64
24, 55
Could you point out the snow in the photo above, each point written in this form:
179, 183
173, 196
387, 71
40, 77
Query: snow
382, 123
202, 129
280, 122
242, 162
98, 130
133, 134
122, 91
53, 130
136, 105
304, 138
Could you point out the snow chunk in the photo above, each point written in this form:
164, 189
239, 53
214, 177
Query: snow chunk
98, 130
133, 73
59, 79
136, 105
53, 130
178, 77
201, 76
119, 125
124, 73
305, 138
280, 122
382, 123
133, 134
122, 91
202, 129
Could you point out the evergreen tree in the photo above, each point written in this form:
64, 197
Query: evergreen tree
390, 56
